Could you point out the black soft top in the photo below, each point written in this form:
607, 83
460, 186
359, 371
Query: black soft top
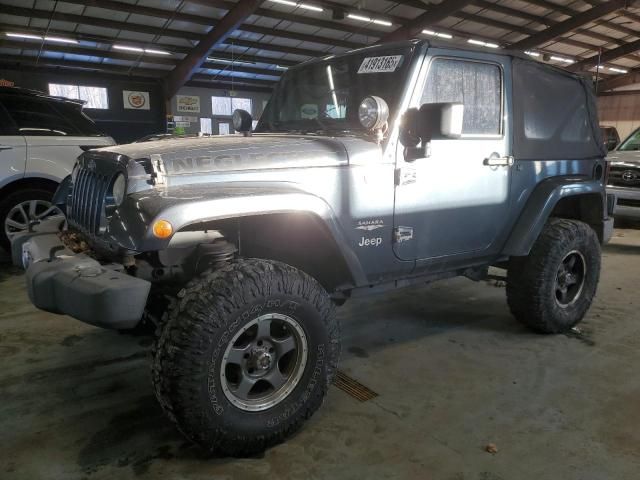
555, 115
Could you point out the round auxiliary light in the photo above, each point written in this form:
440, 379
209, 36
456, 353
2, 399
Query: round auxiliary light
373, 113
119, 189
162, 229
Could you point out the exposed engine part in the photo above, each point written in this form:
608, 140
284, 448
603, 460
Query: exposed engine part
128, 261
75, 242
212, 255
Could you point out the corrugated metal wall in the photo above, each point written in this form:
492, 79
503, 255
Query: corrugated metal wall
620, 111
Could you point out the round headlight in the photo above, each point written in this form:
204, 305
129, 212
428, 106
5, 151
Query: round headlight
373, 113
119, 189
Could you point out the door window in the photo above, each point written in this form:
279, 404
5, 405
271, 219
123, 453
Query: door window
478, 86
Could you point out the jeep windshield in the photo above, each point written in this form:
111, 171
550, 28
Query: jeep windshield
632, 142
324, 96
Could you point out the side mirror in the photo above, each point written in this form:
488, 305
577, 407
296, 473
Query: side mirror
242, 121
432, 121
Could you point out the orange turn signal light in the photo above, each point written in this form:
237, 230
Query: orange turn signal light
162, 229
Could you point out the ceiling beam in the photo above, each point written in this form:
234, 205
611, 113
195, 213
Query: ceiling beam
119, 6
272, 47
549, 22
607, 56
412, 3
620, 81
434, 14
231, 79
86, 51
571, 24
147, 59
512, 12
136, 27
570, 12
523, 30
217, 35
292, 17
96, 22
108, 41
14, 61
229, 86
22, 62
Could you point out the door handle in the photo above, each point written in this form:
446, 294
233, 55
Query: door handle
496, 160
6, 147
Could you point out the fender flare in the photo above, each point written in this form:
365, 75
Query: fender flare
539, 207
183, 209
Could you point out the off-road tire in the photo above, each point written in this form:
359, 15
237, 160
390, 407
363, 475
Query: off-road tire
531, 280
209, 311
13, 199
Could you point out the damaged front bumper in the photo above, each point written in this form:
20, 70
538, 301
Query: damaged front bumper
59, 281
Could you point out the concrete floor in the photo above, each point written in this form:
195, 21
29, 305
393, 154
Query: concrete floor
454, 372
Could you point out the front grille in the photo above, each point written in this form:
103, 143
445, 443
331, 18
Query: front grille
87, 201
627, 202
624, 177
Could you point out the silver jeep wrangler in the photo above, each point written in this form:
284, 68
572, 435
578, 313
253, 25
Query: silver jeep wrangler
381, 168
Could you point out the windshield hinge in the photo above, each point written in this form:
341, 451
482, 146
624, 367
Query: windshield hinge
159, 171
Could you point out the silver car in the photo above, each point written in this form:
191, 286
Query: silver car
624, 176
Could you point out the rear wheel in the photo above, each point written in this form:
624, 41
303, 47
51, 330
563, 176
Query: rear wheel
22, 208
247, 355
552, 288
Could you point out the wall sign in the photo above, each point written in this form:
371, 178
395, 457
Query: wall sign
135, 100
188, 103
182, 118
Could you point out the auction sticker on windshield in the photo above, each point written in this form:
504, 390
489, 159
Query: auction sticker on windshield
388, 63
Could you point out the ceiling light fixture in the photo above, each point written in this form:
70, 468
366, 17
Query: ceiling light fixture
532, 54
306, 6
141, 50
60, 40
362, 18
229, 62
437, 34
482, 43
48, 38
128, 49
156, 52
310, 7
618, 70
26, 36
561, 59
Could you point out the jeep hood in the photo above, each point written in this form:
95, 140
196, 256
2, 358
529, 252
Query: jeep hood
234, 152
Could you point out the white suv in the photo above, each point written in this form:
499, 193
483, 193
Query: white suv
40, 138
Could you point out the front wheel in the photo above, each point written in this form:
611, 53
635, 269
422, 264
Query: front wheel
246, 356
24, 207
552, 288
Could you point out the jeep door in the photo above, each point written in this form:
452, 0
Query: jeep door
454, 201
